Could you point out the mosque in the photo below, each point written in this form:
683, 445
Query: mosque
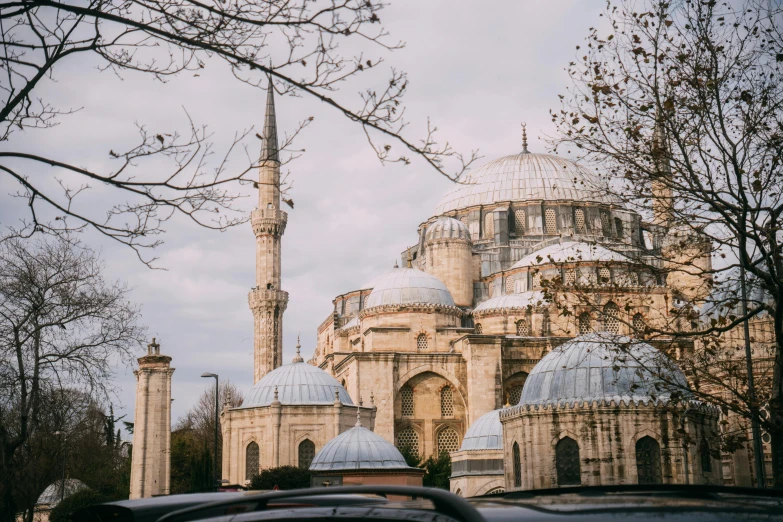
457, 348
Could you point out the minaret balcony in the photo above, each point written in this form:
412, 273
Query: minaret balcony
266, 298
268, 221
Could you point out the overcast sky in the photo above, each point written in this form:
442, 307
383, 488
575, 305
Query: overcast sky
477, 69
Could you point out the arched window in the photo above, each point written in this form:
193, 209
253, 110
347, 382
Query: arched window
618, 226
604, 276
347, 307
251, 461
421, 342
570, 277
448, 440
478, 328
306, 453
514, 394
584, 323
569, 471
606, 225
489, 226
633, 279
408, 438
523, 327
648, 461
611, 321
579, 221
446, 402
550, 220
639, 325
545, 324
520, 222
406, 400
509, 285
491, 288
706, 457
537, 280
517, 466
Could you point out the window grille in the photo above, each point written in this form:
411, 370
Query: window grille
446, 402
251, 461
570, 277
584, 323
306, 453
464, 220
514, 395
489, 226
569, 472
523, 327
421, 342
611, 321
639, 325
366, 298
491, 288
706, 458
633, 279
648, 461
520, 222
509, 285
517, 467
618, 225
537, 280
551, 221
604, 276
448, 440
606, 225
478, 328
579, 221
406, 400
408, 438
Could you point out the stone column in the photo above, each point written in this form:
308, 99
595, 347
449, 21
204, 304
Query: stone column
150, 466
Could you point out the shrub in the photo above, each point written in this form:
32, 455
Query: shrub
81, 499
284, 477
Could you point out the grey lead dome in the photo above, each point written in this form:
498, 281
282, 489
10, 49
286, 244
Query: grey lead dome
526, 177
358, 448
296, 383
484, 434
447, 228
408, 286
603, 366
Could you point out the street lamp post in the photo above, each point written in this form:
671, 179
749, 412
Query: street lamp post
217, 398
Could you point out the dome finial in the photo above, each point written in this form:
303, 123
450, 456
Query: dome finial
410, 260
524, 139
298, 357
395, 264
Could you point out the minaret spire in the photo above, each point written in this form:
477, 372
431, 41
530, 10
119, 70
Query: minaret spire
524, 139
267, 301
270, 152
298, 357
661, 186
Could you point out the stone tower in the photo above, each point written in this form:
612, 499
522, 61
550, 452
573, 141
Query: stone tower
267, 301
150, 469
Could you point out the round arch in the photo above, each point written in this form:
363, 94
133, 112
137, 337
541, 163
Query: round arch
489, 486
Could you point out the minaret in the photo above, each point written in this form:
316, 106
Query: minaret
151, 465
661, 183
267, 301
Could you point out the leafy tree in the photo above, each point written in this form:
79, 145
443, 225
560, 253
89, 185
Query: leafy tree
437, 471
60, 321
284, 477
296, 43
81, 499
411, 456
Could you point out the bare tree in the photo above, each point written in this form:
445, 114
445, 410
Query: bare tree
681, 103
297, 43
62, 325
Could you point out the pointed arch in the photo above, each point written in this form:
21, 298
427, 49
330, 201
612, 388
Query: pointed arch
516, 457
567, 463
306, 452
611, 317
648, 461
252, 460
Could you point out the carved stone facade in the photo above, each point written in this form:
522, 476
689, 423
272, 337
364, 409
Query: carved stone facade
150, 468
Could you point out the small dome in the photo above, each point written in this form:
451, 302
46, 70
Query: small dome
603, 367
525, 177
571, 252
296, 383
484, 434
358, 448
54, 492
447, 228
409, 286
521, 301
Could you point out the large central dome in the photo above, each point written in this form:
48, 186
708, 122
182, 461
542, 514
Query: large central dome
523, 177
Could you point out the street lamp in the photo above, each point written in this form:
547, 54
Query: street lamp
217, 393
